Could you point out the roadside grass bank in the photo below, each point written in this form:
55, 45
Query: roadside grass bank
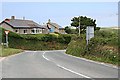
103, 47
8, 51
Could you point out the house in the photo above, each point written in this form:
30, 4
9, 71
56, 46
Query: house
54, 27
23, 26
62, 31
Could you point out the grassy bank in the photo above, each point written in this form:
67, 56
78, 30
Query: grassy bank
103, 47
9, 51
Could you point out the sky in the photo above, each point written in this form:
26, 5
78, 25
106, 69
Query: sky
61, 13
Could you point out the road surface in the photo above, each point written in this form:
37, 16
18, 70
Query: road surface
54, 64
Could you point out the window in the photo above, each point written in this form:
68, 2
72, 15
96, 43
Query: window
37, 31
16, 31
32, 31
25, 31
40, 31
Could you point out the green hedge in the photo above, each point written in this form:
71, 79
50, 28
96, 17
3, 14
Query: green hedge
37, 41
60, 38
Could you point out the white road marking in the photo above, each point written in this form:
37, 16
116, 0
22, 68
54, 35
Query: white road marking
45, 57
67, 68
73, 71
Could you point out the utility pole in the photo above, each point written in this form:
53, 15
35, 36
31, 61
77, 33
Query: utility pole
79, 26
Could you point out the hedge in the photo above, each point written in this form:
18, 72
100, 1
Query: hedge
37, 41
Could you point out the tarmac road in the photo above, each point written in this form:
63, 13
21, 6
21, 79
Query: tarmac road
54, 64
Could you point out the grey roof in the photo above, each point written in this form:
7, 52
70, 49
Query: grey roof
61, 28
55, 24
45, 26
19, 23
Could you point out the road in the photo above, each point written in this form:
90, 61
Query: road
54, 64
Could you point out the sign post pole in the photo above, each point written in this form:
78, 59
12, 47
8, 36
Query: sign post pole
6, 32
7, 40
79, 26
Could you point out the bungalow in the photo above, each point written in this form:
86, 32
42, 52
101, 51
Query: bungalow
23, 26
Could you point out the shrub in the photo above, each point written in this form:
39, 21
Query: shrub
37, 41
103, 47
77, 47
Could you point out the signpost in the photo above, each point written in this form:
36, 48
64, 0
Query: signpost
7, 32
89, 33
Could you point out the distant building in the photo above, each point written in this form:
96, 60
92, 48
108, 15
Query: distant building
54, 27
62, 31
23, 26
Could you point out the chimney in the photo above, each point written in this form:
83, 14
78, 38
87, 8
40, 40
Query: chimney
48, 20
12, 17
23, 18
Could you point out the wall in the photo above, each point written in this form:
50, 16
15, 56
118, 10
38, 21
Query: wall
7, 27
62, 31
21, 31
54, 29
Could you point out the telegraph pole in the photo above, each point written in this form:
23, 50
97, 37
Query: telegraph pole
79, 26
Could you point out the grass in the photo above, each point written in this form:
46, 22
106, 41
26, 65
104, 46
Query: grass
0, 50
8, 51
103, 47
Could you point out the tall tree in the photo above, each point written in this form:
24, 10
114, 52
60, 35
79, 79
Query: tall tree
84, 22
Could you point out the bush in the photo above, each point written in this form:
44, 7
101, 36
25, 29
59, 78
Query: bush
77, 46
37, 41
66, 38
103, 47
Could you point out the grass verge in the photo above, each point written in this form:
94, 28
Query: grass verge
103, 47
9, 51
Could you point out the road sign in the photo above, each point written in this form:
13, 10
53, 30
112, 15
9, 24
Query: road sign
89, 33
6, 32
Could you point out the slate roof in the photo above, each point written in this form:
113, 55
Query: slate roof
61, 28
19, 23
54, 24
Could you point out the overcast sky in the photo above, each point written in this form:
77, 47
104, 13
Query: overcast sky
62, 12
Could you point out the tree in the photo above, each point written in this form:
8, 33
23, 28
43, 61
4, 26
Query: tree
84, 22
68, 30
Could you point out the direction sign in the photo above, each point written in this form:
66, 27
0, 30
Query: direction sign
89, 33
6, 32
